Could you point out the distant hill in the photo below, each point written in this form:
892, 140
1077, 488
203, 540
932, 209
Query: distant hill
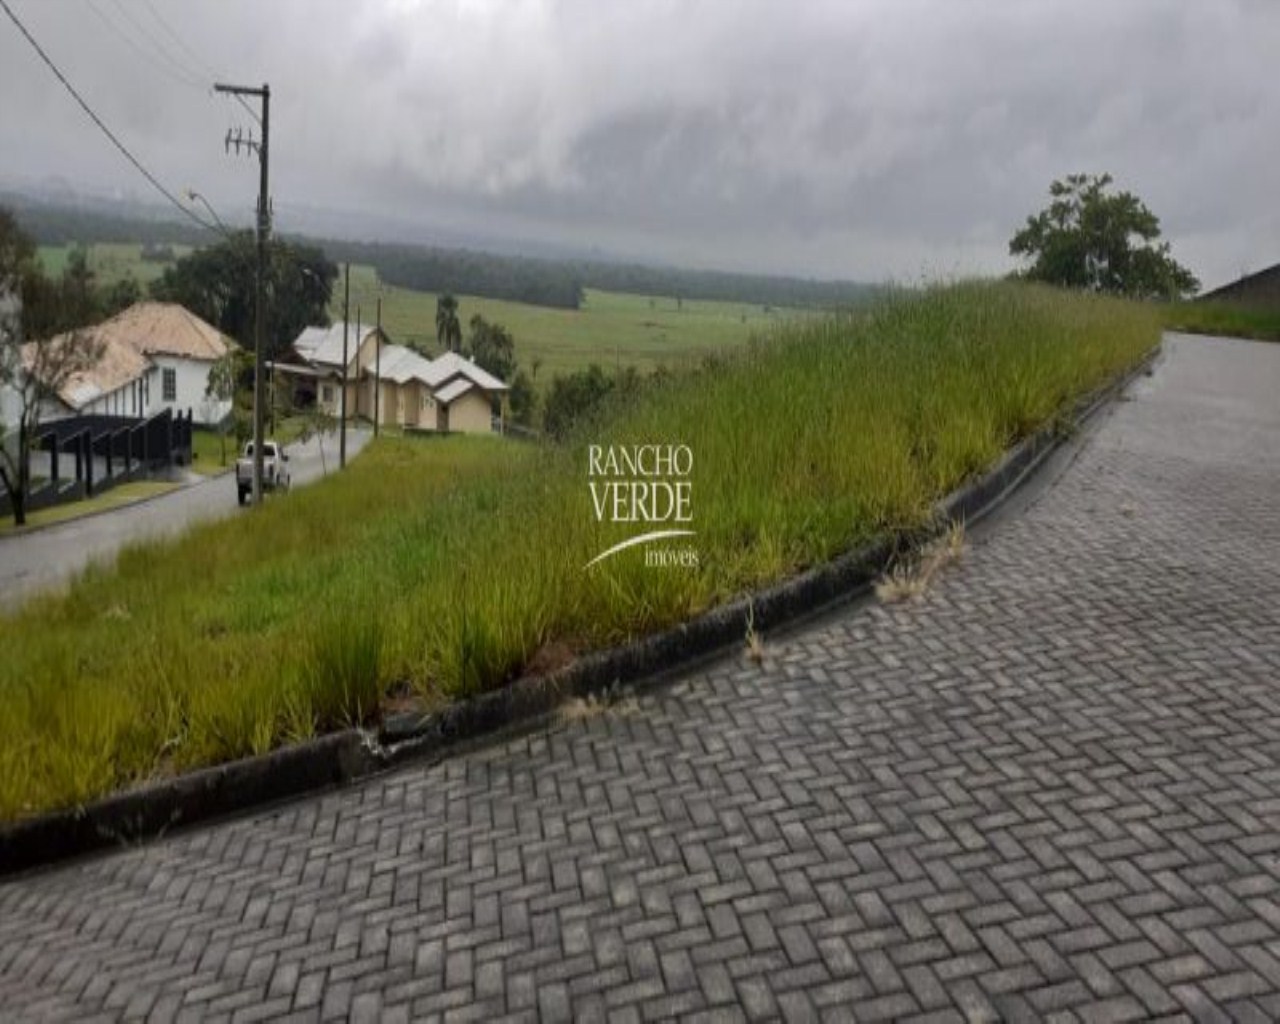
536, 280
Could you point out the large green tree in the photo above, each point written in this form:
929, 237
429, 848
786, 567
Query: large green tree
448, 329
53, 305
217, 284
1095, 238
492, 348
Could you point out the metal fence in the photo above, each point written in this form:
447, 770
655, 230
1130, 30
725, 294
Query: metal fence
86, 455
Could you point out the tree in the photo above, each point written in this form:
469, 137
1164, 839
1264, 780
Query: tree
217, 284
448, 329
315, 422
32, 372
56, 305
220, 388
1094, 239
120, 296
17, 251
492, 348
35, 372
523, 399
573, 398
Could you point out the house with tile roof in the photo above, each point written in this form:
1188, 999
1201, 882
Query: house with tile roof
389, 382
155, 356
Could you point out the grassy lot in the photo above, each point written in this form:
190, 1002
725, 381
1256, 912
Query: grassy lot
110, 261
1222, 318
207, 451
611, 329
124, 494
448, 565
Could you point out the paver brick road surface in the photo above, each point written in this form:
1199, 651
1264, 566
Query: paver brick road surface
1051, 788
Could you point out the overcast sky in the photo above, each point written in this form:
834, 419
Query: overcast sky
848, 138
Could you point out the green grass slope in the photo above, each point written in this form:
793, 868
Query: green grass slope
446, 566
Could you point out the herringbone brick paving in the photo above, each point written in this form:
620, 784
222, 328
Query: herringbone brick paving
1050, 789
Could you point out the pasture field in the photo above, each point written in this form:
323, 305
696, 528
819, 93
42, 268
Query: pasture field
110, 261
611, 328
442, 567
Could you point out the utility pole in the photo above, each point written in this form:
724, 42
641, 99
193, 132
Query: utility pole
377, 368
357, 357
346, 322
264, 225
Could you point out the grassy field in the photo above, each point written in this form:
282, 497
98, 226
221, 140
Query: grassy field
611, 329
446, 566
207, 449
110, 261
1221, 318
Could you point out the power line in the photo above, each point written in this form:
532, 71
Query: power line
166, 69
151, 178
159, 46
168, 30
179, 41
252, 113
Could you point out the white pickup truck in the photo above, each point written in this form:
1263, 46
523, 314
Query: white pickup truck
275, 469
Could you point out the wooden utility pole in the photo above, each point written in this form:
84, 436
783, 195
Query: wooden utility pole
357, 355
264, 226
346, 322
377, 368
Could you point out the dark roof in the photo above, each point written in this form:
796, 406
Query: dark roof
1265, 280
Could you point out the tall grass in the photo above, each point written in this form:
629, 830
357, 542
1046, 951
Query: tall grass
447, 565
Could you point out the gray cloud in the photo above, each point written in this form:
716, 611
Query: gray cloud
868, 139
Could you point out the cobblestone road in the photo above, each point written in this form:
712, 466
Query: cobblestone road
1050, 788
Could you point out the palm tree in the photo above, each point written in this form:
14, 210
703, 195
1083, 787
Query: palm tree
448, 330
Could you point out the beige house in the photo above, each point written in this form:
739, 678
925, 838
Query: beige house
398, 385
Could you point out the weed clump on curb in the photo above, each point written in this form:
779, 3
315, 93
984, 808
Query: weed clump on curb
909, 579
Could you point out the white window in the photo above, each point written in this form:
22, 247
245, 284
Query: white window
326, 394
170, 386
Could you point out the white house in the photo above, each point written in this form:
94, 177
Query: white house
314, 371
398, 385
155, 356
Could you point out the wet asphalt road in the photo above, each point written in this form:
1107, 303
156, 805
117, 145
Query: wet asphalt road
50, 557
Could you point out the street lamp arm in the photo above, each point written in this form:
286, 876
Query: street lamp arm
194, 196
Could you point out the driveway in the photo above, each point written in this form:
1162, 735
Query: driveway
53, 555
1051, 786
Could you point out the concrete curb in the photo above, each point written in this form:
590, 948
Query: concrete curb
18, 532
27, 531
337, 758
